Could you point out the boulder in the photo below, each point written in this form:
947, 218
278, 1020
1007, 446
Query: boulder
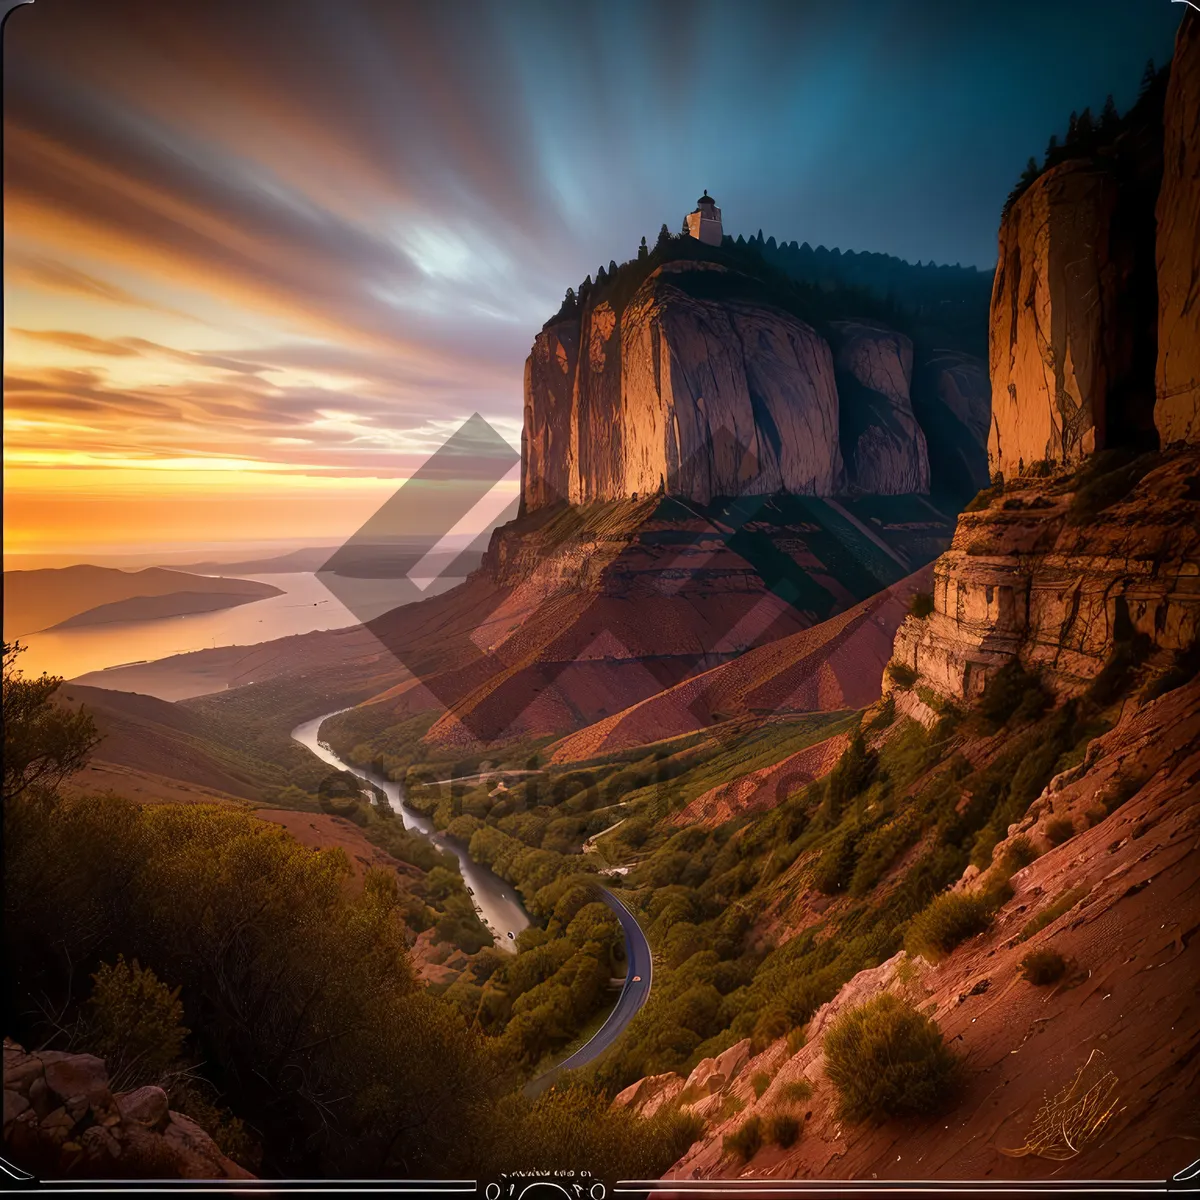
61, 1120
146, 1105
883, 447
1177, 378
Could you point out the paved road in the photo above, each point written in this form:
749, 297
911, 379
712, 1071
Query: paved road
633, 995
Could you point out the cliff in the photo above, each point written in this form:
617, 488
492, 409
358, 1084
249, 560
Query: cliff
1061, 349
883, 446
1038, 575
680, 392
702, 377
1177, 380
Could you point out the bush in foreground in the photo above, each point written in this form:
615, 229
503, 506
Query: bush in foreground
1043, 966
947, 921
1060, 830
888, 1060
783, 1130
745, 1141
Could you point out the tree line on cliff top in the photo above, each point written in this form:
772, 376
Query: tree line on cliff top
943, 305
1112, 138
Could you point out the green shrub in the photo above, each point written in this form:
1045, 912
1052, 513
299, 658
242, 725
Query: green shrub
783, 1129
1124, 788
134, 1022
921, 605
796, 1039
1019, 852
1060, 830
1064, 902
880, 848
901, 674
1007, 690
946, 921
746, 1141
984, 498
795, 1091
888, 1060
760, 1081
1043, 966
835, 867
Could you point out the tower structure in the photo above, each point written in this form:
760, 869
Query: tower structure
705, 223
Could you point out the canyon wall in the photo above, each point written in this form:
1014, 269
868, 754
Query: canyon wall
883, 446
1177, 381
1056, 348
699, 385
1032, 577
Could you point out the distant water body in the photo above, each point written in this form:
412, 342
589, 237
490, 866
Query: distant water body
306, 605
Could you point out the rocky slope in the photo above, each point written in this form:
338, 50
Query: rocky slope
834, 665
61, 1120
1177, 409
1126, 1005
578, 614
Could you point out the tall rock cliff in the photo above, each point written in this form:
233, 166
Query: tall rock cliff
684, 392
546, 433
1177, 382
883, 446
700, 380
1062, 346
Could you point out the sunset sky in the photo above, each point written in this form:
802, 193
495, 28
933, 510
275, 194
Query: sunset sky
262, 257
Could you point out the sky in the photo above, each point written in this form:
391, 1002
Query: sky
262, 257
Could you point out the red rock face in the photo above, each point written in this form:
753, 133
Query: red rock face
679, 393
1021, 580
1177, 380
549, 388
1054, 354
882, 444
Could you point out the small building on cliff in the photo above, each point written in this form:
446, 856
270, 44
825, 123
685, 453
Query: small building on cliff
705, 223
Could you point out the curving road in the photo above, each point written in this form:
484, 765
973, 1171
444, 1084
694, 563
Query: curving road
633, 995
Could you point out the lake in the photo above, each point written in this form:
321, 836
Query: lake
305, 606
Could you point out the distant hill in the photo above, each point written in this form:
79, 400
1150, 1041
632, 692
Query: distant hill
174, 604
38, 600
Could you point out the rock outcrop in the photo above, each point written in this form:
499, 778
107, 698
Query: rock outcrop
883, 446
682, 392
61, 1120
1024, 579
1057, 349
1177, 382
701, 397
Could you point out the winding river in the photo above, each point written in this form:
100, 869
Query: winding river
495, 900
